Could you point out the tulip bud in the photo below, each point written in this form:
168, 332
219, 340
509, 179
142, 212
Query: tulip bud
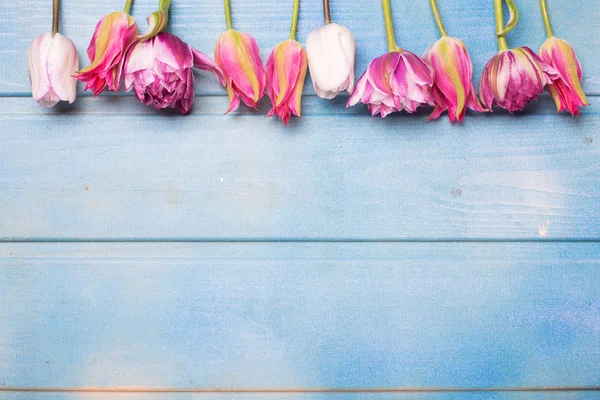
398, 80
331, 50
237, 55
453, 89
53, 60
159, 70
512, 78
112, 38
566, 89
286, 70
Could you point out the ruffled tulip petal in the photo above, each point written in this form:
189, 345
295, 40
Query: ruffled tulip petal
205, 63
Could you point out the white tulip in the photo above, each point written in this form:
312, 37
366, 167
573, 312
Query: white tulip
53, 61
331, 50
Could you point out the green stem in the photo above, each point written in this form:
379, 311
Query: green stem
127, 8
502, 45
549, 32
389, 25
438, 18
228, 14
55, 9
326, 11
295, 15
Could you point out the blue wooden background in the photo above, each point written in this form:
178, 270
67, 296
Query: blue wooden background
148, 255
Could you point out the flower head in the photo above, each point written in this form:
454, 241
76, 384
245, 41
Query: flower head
566, 88
398, 80
331, 50
112, 38
237, 55
452, 89
512, 78
53, 60
286, 70
159, 71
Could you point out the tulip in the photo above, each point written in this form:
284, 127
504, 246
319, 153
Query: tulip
566, 89
398, 80
53, 60
237, 55
331, 51
286, 70
452, 89
159, 70
112, 38
512, 78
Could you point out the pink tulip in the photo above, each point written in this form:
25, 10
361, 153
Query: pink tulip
286, 70
237, 55
159, 71
512, 78
452, 89
398, 80
112, 38
53, 60
566, 89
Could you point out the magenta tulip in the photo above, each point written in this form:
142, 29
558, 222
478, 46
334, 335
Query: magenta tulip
512, 78
112, 38
398, 80
566, 88
286, 70
238, 56
452, 89
159, 71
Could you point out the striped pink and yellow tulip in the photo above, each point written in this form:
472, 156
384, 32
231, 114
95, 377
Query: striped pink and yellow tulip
286, 70
238, 57
112, 38
452, 90
566, 89
514, 77
398, 80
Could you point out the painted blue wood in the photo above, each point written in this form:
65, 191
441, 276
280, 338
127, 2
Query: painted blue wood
569, 395
125, 172
200, 22
300, 315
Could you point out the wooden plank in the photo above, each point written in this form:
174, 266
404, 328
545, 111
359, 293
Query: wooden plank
201, 22
122, 172
299, 315
570, 395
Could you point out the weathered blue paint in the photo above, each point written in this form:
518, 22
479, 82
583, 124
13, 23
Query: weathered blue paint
368, 253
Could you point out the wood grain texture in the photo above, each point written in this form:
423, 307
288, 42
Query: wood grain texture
300, 315
123, 172
201, 22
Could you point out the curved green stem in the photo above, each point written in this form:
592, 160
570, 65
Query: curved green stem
512, 20
389, 25
295, 15
326, 11
502, 45
55, 9
228, 14
546, 17
438, 18
127, 8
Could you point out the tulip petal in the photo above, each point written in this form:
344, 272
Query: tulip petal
38, 68
63, 63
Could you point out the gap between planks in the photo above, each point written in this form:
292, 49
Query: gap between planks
302, 390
